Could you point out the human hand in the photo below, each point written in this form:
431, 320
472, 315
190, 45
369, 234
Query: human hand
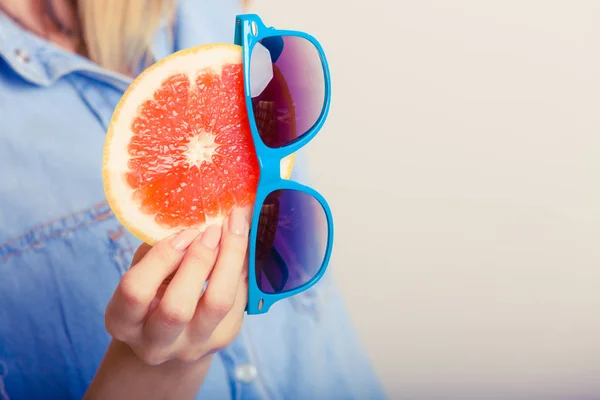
159, 308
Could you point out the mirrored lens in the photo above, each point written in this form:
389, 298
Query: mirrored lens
288, 88
291, 241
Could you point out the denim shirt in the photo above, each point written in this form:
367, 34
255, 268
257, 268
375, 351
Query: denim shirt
62, 252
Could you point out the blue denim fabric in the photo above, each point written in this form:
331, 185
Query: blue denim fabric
62, 252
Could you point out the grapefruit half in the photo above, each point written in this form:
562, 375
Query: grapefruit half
179, 152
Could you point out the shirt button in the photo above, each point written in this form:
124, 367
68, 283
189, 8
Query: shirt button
246, 373
22, 55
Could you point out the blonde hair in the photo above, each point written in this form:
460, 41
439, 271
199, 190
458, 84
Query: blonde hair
118, 34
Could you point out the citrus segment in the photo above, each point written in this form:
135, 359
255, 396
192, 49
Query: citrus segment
174, 142
179, 150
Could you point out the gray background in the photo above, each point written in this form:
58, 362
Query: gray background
461, 159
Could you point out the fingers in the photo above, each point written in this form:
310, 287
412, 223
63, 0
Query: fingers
226, 330
220, 295
140, 253
138, 287
178, 304
147, 309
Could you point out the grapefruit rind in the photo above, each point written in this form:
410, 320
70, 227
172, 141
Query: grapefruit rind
116, 156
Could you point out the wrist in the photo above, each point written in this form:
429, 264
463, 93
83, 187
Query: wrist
124, 348
122, 375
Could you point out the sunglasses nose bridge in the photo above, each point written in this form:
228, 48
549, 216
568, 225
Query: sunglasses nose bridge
270, 166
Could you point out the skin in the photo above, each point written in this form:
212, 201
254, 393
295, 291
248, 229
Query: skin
165, 327
165, 330
32, 15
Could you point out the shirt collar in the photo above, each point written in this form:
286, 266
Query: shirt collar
19, 49
42, 63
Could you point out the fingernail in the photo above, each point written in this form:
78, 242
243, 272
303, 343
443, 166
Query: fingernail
211, 236
183, 239
238, 222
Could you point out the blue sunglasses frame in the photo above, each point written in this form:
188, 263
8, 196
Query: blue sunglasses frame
249, 30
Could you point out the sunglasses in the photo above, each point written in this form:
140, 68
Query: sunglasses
291, 235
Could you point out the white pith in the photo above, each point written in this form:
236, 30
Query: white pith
200, 148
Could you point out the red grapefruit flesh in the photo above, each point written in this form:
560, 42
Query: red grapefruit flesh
179, 151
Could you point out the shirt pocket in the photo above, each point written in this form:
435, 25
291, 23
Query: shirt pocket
57, 279
65, 269
92, 234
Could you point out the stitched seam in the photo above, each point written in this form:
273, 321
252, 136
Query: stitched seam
121, 248
53, 229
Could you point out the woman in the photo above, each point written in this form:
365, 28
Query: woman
75, 320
